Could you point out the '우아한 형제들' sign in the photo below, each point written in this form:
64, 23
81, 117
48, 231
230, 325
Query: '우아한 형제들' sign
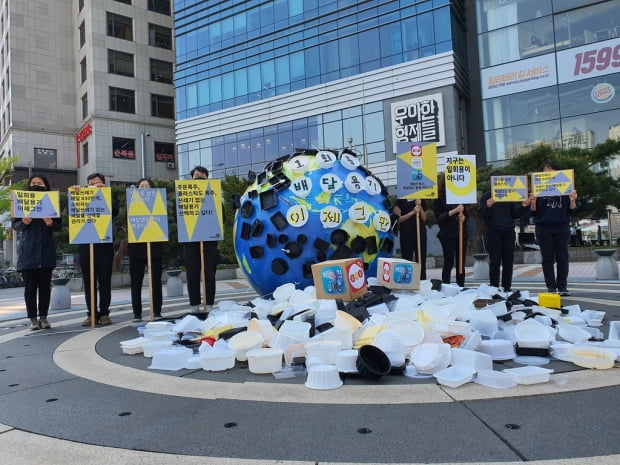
507, 188
460, 178
90, 215
552, 183
34, 204
416, 170
147, 216
199, 210
418, 120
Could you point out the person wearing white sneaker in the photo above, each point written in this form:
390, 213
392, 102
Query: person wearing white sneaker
37, 257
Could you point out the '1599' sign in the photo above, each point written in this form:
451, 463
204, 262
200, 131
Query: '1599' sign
588, 61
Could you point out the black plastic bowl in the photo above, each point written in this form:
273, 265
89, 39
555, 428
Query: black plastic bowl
372, 362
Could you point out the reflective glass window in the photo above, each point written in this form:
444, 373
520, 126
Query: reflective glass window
160, 36
329, 57
523, 108
586, 25
373, 127
369, 46
228, 86
119, 26
493, 14
587, 130
268, 78
162, 106
122, 100
410, 34
390, 39
590, 95
282, 70
515, 42
507, 143
120, 63
442, 23
426, 33
215, 89
161, 71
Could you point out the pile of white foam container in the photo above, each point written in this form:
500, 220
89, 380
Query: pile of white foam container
453, 335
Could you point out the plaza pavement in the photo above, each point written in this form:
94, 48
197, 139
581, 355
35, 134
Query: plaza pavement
562, 424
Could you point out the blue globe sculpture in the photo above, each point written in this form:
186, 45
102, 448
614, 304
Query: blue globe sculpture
306, 208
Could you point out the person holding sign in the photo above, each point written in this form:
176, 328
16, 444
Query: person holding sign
452, 235
411, 223
193, 261
499, 234
103, 256
137, 264
552, 220
37, 257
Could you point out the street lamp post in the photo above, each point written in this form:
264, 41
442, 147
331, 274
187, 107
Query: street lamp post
142, 152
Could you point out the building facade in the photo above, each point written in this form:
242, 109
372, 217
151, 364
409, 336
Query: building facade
256, 79
550, 73
87, 86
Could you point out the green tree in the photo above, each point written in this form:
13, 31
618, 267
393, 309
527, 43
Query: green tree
6, 172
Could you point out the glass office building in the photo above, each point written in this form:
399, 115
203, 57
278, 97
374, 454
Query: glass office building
550, 70
257, 79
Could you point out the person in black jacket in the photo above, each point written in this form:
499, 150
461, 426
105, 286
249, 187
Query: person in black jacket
137, 263
37, 257
448, 218
499, 234
407, 211
103, 261
552, 219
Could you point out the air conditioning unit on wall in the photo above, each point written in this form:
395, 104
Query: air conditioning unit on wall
170, 165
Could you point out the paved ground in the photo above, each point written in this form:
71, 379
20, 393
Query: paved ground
68, 394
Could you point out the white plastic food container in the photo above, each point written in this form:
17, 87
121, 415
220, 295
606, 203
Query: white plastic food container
495, 379
244, 341
152, 347
529, 374
171, 359
217, 359
267, 360
454, 376
592, 357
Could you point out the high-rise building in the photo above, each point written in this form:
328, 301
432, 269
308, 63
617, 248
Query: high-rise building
87, 86
549, 73
257, 79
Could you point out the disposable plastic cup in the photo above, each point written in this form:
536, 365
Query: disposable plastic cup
345, 361
322, 352
323, 377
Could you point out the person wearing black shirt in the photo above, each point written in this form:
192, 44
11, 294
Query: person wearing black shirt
499, 235
137, 263
552, 219
103, 255
448, 218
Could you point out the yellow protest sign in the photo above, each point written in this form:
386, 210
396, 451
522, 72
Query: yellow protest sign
552, 183
199, 210
147, 215
34, 204
509, 188
90, 215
